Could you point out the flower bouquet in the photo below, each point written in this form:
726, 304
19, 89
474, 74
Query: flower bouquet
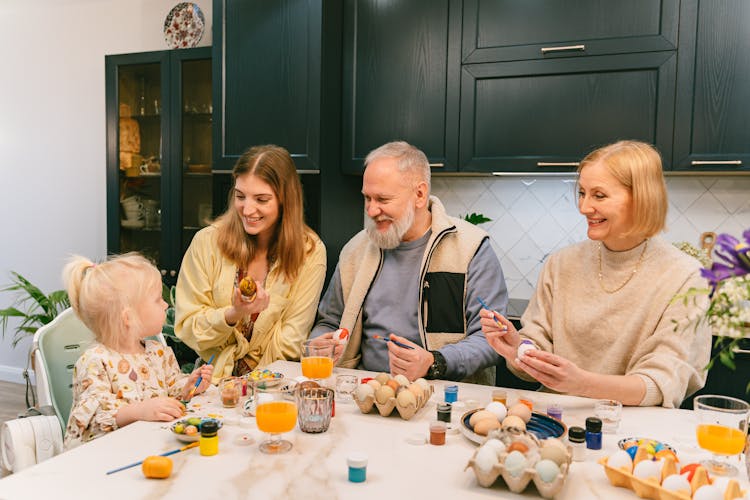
728, 311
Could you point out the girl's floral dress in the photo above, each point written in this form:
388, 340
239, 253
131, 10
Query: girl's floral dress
105, 380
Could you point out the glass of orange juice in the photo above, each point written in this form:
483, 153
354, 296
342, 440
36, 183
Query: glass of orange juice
317, 358
722, 430
275, 414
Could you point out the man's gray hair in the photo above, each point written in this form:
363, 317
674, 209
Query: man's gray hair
410, 160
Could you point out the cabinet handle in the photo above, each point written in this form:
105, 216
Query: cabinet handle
716, 162
173, 273
737, 350
558, 163
563, 48
437, 165
163, 272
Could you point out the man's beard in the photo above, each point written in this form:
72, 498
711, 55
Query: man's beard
391, 238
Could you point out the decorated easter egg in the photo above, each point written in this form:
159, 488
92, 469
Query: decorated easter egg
676, 482
647, 469
621, 459
498, 409
632, 451
520, 410
515, 463
524, 346
486, 458
547, 470
708, 492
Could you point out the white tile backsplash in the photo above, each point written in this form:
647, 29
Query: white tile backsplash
535, 216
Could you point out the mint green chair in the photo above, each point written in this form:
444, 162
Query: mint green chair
57, 346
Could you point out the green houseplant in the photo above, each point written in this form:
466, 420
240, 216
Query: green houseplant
185, 355
31, 306
476, 219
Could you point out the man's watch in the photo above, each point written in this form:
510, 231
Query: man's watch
439, 366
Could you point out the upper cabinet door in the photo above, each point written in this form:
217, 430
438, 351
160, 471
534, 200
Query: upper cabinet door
537, 116
513, 30
266, 62
401, 78
712, 125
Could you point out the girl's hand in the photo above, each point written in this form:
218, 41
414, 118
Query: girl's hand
243, 308
203, 371
159, 409
503, 338
553, 371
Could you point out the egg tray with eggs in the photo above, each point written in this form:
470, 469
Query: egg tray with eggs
520, 458
662, 480
386, 393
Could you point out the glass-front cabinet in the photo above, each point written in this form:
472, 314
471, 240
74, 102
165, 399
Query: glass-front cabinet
159, 180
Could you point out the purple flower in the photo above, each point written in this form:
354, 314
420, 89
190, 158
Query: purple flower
735, 255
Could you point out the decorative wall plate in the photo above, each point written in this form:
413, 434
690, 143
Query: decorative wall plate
184, 25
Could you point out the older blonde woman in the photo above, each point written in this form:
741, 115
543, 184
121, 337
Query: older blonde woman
603, 315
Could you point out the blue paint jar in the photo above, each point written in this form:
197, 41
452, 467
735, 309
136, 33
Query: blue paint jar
451, 393
593, 433
357, 463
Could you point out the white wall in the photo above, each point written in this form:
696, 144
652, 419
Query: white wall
52, 131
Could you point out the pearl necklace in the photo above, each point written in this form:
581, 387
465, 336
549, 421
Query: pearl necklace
627, 280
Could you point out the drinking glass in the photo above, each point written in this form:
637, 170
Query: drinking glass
317, 358
315, 406
276, 414
345, 387
722, 429
230, 389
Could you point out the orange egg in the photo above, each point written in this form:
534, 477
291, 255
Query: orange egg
393, 384
518, 446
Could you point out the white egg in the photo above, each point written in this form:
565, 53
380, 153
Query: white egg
721, 483
621, 458
496, 445
486, 458
402, 380
647, 468
708, 492
515, 463
498, 409
364, 390
676, 482
547, 470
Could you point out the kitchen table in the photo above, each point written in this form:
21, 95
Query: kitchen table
316, 467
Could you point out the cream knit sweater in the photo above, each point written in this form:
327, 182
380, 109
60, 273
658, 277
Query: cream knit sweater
627, 332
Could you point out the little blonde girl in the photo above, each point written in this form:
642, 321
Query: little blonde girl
122, 377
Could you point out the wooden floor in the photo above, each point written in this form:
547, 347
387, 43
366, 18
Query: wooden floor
12, 400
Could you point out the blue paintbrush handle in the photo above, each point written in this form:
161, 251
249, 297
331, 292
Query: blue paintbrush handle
497, 321
165, 454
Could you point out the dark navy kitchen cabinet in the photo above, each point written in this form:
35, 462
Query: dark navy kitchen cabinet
401, 78
712, 124
723, 380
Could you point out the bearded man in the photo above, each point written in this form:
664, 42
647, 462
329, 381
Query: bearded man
414, 276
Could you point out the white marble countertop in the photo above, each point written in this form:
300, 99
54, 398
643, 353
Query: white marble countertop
316, 466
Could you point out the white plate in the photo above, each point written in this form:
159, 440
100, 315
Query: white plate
183, 27
132, 224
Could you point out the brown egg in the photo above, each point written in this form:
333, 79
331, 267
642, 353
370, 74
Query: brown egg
416, 389
382, 378
486, 425
520, 410
383, 394
517, 446
406, 398
393, 384
514, 421
480, 415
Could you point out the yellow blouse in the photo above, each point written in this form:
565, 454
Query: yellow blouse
204, 292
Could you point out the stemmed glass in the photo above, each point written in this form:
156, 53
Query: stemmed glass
722, 429
276, 413
317, 358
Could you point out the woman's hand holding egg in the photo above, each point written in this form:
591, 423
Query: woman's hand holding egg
242, 308
551, 370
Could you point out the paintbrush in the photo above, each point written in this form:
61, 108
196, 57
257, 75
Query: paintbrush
165, 454
400, 344
200, 379
494, 314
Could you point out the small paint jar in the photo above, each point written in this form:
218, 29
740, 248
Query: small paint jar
593, 433
357, 463
209, 440
451, 393
555, 411
444, 412
577, 440
437, 432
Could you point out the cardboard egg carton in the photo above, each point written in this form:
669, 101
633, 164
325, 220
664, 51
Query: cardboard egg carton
385, 409
517, 484
651, 487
